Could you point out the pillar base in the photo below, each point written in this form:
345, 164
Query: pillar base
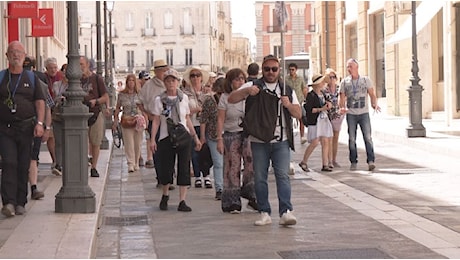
419, 131
75, 201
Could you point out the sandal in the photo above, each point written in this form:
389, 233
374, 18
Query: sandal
326, 169
207, 184
198, 183
304, 166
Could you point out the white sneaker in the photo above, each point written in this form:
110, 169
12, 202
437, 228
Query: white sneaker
303, 140
288, 219
265, 219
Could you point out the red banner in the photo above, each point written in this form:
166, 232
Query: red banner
43, 26
23, 9
13, 27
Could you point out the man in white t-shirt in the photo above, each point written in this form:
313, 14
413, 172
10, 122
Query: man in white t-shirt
354, 92
275, 148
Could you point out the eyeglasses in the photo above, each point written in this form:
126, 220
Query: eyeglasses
333, 77
15, 52
239, 78
195, 75
274, 69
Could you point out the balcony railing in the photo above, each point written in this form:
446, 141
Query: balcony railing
274, 29
187, 31
146, 32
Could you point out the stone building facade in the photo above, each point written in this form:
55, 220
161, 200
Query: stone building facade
184, 33
378, 34
298, 34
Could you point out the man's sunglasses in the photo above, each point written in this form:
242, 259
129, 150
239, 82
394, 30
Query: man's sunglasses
195, 75
274, 69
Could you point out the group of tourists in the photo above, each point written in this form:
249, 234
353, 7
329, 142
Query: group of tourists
235, 123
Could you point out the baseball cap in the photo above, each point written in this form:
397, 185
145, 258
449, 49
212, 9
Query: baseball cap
270, 57
144, 75
171, 73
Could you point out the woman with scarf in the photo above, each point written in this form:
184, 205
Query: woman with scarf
128, 101
173, 104
195, 78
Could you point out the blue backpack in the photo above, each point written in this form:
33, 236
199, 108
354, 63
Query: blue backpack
29, 73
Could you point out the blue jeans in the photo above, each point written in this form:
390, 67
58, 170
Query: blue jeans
218, 165
364, 123
280, 156
196, 156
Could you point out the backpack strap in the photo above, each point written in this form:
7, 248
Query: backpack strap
31, 76
29, 73
2, 75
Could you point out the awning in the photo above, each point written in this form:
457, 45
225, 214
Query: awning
423, 15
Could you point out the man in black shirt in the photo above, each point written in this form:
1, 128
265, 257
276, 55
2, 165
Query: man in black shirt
22, 111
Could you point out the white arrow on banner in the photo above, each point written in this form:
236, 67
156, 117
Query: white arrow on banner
43, 19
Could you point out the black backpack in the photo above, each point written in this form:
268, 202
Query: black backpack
259, 120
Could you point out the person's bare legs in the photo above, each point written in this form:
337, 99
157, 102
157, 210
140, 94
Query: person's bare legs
95, 149
50, 143
33, 176
325, 150
309, 150
302, 128
335, 146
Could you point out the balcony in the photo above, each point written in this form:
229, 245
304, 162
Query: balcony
189, 30
274, 29
148, 32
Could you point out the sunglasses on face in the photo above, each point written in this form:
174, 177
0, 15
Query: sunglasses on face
195, 75
274, 69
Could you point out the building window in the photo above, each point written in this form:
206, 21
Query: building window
130, 60
129, 26
188, 57
277, 51
168, 20
149, 61
149, 20
169, 57
188, 28
351, 41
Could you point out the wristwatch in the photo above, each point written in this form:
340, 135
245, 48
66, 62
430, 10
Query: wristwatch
40, 123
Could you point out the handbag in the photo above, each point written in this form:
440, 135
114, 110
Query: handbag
128, 121
178, 135
92, 119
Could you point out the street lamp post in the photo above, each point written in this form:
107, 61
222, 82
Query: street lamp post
415, 128
110, 6
105, 141
75, 195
